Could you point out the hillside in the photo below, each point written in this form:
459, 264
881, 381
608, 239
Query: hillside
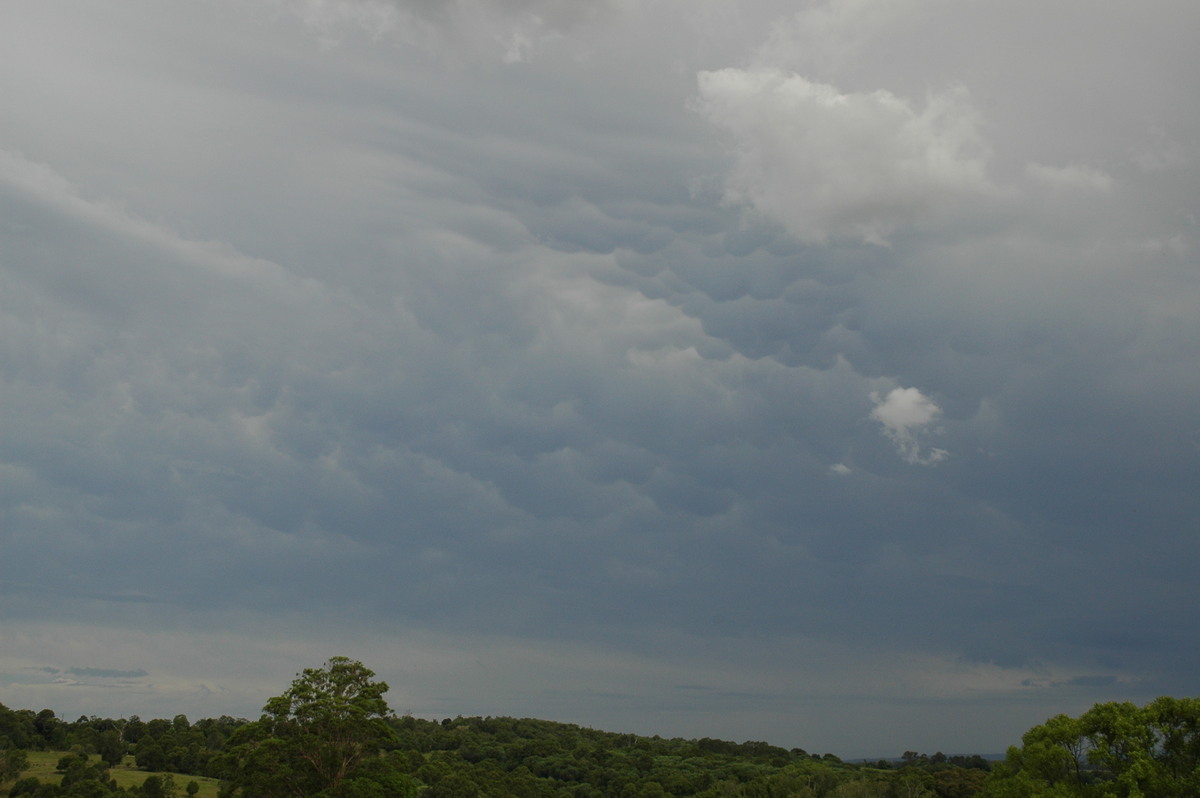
332, 735
464, 756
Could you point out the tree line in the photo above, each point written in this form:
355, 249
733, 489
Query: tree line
332, 735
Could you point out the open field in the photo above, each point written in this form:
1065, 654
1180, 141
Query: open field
42, 766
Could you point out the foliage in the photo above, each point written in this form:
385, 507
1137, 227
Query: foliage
1113, 749
12, 762
313, 739
331, 735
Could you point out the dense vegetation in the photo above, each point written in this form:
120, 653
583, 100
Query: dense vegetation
332, 735
1113, 749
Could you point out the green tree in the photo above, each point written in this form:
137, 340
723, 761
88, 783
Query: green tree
149, 754
1056, 751
1122, 744
135, 729
313, 739
958, 782
28, 786
1114, 749
110, 747
16, 729
1176, 725
52, 730
159, 787
12, 762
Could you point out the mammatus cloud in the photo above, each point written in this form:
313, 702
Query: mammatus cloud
325, 331
833, 165
905, 413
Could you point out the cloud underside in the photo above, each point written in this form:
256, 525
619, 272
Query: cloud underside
523, 335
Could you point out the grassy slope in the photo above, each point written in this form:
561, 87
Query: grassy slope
41, 765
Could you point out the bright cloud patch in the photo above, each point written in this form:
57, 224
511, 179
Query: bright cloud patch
905, 413
830, 165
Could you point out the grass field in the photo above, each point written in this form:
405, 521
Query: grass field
42, 764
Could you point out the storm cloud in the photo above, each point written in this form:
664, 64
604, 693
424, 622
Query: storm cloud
823, 376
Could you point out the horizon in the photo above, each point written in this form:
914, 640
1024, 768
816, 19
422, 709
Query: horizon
990, 756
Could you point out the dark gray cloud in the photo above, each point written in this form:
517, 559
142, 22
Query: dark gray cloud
651, 367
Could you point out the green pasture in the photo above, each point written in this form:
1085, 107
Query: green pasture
42, 766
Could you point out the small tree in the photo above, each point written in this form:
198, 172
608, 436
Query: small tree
12, 762
162, 786
110, 747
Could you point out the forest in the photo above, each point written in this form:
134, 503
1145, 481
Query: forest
332, 735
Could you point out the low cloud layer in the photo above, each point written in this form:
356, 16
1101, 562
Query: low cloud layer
648, 367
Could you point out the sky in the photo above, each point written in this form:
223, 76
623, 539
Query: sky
824, 373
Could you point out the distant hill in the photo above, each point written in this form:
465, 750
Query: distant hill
462, 756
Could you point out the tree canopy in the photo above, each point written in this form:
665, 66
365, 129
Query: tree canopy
332, 735
315, 738
1114, 749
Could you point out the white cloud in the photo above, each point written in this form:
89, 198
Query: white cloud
905, 413
831, 164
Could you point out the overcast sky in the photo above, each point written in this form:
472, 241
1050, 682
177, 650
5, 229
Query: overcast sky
824, 373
